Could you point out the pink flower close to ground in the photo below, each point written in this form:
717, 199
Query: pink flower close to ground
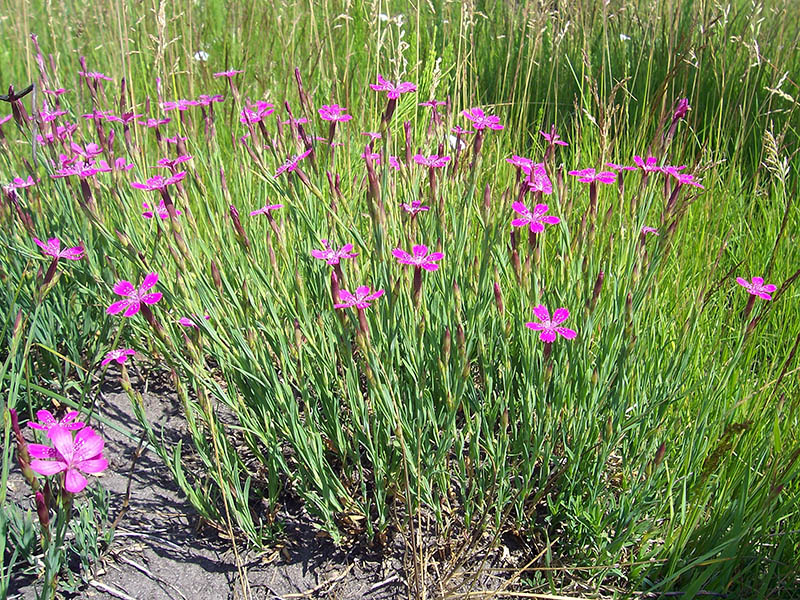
18, 183
159, 182
331, 256
535, 219
434, 161
361, 299
548, 327
756, 287
590, 176
292, 163
133, 297
53, 248
648, 165
393, 91
333, 112
160, 210
84, 453
120, 355
48, 421
266, 209
419, 257
414, 207
481, 120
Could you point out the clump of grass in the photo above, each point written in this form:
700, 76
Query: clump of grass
378, 323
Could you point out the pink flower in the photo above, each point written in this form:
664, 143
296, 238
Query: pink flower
683, 178
757, 287
415, 207
292, 163
553, 137
180, 105
62, 132
360, 299
393, 91
84, 453
549, 328
433, 103
153, 123
169, 163
48, 421
6, 119
134, 297
229, 74
520, 162
266, 209
434, 161
124, 118
617, 167
81, 169
57, 92
254, 113
174, 140
371, 134
419, 257
333, 112
460, 131
19, 183
206, 100
120, 355
49, 117
331, 256
373, 156
158, 183
538, 181
590, 176
535, 219
160, 210
121, 164
646, 230
648, 165
187, 322
94, 75
53, 248
480, 120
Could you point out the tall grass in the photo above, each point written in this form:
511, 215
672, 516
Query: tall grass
659, 447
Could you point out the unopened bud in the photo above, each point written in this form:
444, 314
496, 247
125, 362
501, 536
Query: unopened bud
660, 454
498, 298
215, 276
598, 285
446, 345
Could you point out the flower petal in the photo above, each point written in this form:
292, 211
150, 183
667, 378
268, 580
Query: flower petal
88, 444
93, 465
567, 332
123, 288
149, 281
62, 441
547, 335
133, 308
48, 467
560, 315
74, 482
541, 312
151, 298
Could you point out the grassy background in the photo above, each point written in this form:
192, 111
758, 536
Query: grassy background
349, 430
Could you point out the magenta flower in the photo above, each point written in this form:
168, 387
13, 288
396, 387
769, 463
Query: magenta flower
82, 169
393, 91
433, 103
646, 230
538, 181
460, 131
153, 123
682, 178
535, 219
681, 109
757, 287
61, 133
48, 116
229, 74
648, 165
169, 163
48, 421
121, 164
590, 176
180, 105
264, 210
360, 299
617, 167
331, 256
333, 112
187, 322
6, 119
57, 92
415, 207
373, 156
159, 182
84, 453
120, 355
160, 210
94, 75
292, 163
255, 113
418, 258
481, 120
124, 118
19, 183
371, 134
134, 297
549, 328
175, 140
434, 161
553, 137
53, 248
207, 100
520, 162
